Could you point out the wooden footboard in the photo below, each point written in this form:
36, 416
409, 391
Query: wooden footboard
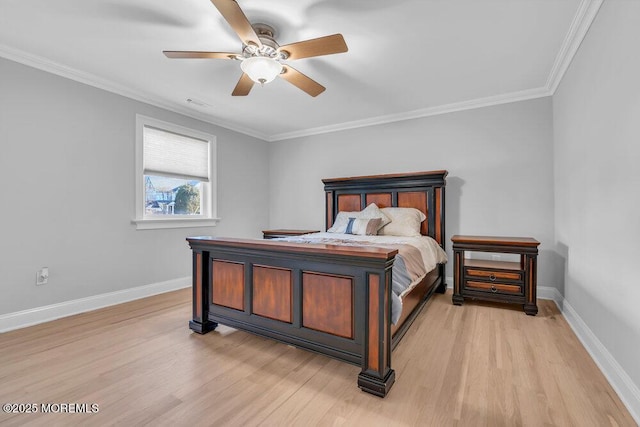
334, 300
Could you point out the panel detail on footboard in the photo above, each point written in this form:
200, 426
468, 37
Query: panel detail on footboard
373, 356
228, 284
272, 293
327, 304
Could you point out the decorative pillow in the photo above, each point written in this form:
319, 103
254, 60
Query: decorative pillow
370, 212
341, 221
404, 222
373, 211
363, 226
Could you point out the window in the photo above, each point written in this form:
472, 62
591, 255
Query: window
175, 176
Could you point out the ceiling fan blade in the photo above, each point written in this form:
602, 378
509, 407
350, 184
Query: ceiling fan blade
316, 47
301, 81
243, 87
195, 54
230, 10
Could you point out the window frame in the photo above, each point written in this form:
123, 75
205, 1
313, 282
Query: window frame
208, 216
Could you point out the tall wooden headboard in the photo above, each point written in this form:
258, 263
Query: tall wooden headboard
420, 190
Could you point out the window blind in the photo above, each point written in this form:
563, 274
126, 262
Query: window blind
173, 155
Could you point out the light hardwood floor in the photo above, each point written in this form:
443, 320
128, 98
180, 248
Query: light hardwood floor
479, 365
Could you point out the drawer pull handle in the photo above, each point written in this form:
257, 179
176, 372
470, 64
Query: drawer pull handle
494, 289
492, 277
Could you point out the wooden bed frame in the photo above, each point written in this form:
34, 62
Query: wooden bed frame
331, 299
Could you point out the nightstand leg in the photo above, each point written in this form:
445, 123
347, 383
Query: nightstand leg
530, 306
442, 287
457, 298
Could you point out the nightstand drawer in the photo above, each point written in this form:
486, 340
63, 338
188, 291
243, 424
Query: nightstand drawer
493, 287
494, 274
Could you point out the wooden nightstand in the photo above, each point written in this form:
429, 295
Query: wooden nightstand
502, 281
274, 234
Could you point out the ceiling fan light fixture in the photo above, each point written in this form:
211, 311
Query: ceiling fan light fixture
261, 69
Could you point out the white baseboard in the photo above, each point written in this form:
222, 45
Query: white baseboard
627, 390
620, 381
34, 316
549, 292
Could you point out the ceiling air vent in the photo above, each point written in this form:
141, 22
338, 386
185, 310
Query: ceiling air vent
197, 102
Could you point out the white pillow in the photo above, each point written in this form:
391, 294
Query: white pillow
404, 222
370, 212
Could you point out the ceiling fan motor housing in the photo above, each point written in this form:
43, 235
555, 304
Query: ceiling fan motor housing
269, 49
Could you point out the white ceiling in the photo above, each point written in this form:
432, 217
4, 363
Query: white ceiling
406, 58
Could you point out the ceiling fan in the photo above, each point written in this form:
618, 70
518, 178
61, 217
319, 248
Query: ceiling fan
262, 56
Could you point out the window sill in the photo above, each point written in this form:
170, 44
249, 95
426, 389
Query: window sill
152, 224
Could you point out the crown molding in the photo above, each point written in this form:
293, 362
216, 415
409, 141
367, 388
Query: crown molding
416, 114
104, 84
52, 67
585, 15
580, 25
583, 19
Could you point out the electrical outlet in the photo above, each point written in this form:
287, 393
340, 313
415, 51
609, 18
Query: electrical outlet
42, 276
495, 257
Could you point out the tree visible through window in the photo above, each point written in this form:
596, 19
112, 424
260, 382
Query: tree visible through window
176, 180
188, 200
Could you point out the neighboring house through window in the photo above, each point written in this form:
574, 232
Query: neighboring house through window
175, 176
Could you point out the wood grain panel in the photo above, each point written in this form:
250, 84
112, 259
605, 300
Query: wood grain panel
198, 290
385, 333
531, 295
327, 303
438, 215
272, 293
382, 200
329, 209
274, 246
495, 240
228, 284
349, 203
373, 356
387, 177
418, 200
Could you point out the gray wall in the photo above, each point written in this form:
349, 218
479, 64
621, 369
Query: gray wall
67, 192
500, 163
596, 112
